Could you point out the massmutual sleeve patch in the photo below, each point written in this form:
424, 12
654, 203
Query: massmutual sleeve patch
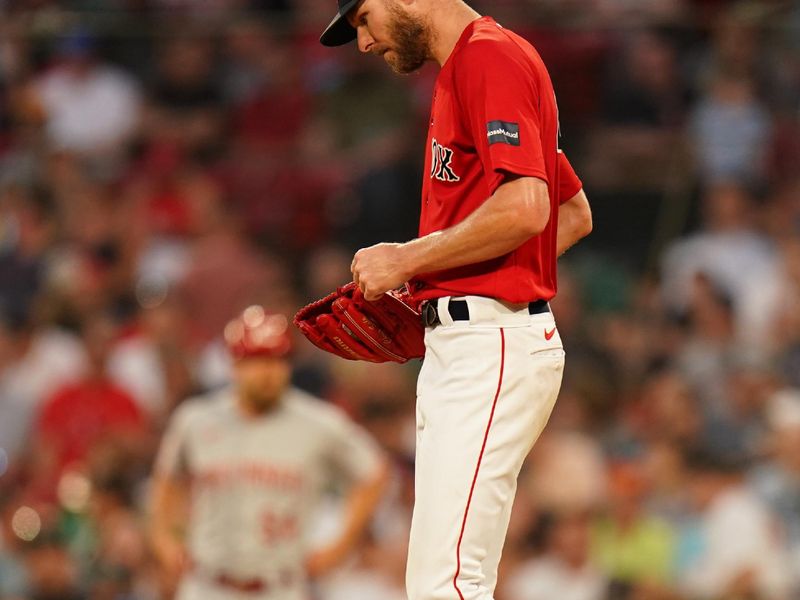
500, 79
503, 132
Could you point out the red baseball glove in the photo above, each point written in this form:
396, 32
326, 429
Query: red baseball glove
346, 324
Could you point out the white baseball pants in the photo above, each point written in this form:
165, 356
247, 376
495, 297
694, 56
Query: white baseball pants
485, 392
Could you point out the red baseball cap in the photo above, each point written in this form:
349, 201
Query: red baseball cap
340, 32
258, 333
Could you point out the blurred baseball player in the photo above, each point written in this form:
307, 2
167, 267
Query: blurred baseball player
239, 472
500, 203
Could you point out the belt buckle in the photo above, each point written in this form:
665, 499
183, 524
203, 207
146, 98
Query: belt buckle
429, 315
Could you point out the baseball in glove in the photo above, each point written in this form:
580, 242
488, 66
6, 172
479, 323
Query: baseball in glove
345, 324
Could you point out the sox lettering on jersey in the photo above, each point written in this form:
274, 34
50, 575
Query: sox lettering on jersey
442, 163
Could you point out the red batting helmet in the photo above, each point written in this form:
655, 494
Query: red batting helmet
258, 333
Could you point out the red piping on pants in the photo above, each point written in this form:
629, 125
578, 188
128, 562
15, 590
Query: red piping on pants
480, 458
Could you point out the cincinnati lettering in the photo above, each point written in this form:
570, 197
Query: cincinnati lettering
254, 474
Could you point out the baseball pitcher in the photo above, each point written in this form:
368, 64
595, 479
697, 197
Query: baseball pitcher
239, 472
500, 202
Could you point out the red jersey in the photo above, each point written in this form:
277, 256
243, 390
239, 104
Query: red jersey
79, 415
494, 114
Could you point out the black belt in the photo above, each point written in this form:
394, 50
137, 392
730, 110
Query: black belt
459, 311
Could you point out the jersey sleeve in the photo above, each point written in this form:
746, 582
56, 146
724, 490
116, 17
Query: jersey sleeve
500, 100
172, 458
568, 182
352, 452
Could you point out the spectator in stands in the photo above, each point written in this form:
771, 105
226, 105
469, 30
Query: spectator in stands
37, 360
565, 570
154, 364
82, 414
777, 480
735, 256
635, 549
53, 572
27, 231
186, 108
116, 561
787, 330
730, 131
91, 108
737, 551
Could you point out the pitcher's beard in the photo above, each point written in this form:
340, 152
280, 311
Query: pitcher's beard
412, 42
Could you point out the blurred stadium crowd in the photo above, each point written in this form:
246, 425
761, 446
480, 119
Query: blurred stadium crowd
164, 163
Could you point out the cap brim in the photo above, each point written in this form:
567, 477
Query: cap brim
340, 32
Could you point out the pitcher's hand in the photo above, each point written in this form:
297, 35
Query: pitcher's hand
379, 269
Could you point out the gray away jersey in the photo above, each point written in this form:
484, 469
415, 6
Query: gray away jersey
254, 481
